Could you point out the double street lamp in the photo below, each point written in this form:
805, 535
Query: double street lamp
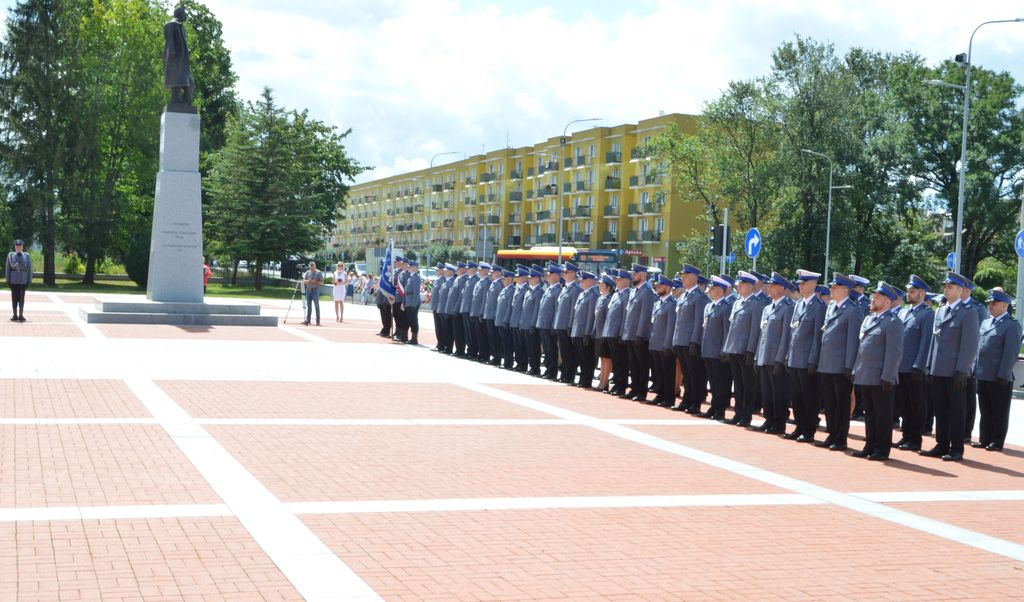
966, 89
828, 222
561, 180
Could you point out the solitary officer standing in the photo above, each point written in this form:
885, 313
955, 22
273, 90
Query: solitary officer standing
686, 340
582, 333
951, 358
911, 400
839, 341
997, 353
412, 302
772, 346
802, 356
546, 321
740, 345
18, 272
564, 310
614, 319
715, 329
876, 370
636, 332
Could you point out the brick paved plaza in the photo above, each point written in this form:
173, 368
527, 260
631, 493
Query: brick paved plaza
170, 463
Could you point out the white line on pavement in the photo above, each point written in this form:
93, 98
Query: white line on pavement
89, 331
312, 568
974, 539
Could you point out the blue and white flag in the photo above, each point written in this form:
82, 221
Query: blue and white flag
387, 273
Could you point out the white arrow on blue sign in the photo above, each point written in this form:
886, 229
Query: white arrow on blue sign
730, 258
1018, 244
951, 260
752, 243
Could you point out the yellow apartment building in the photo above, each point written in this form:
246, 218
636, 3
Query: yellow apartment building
608, 194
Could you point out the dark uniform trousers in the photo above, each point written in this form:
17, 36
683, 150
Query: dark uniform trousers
950, 413
470, 333
745, 382
910, 404
385, 318
458, 333
665, 367
494, 351
507, 347
775, 393
549, 340
533, 343
483, 335
994, 403
412, 321
804, 391
835, 389
680, 354
696, 382
401, 328
568, 352
878, 413
721, 382
639, 367
584, 352
620, 365
971, 408
477, 345
519, 349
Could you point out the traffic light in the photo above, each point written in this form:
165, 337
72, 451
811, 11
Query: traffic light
718, 241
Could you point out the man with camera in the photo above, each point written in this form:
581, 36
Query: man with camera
18, 271
312, 280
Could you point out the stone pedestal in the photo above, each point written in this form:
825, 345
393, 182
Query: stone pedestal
176, 249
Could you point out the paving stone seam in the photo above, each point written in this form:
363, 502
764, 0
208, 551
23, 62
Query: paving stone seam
89, 331
904, 518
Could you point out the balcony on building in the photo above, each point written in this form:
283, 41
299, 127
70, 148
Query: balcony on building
613, 157
516, 241
634, 209
493, 219
543, 215
529, 218
515, 218
651, 179
487, 177
651, 209
492, 198
470, 201
568, 162
547, 238
449, 185
567, 187
515, 197
529, 172
542, 192
632, 236
582, 211
582, 186
611, 183
634, 181
516, 175
529, 194
470, 181
437, 187
469, 221
651, 236
551, 166
581, 160
639, 152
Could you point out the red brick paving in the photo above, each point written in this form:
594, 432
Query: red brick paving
165, 559
78, 299
342, 399
592, 403
67, 398
365, 332
95, 465
40, 325
999, 519
906, 471
196, 333
300, 463
757, 553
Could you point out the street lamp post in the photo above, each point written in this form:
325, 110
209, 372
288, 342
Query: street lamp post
561, 179
431, 169
966, 89
828, 220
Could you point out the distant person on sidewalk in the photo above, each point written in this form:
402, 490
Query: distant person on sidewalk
207, 272
312, 279
339, 293
18, 271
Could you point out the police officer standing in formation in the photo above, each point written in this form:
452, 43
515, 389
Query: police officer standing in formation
715, 329
911, 397
772, 346
505, 352
492, 355
802, 356
740, 345
972, 383
466, 307
546, 321
397, 307
663, 359
564, 308
477, 302
528, 320
411, 303
997, 353
454, 302
686, 340
438, 299
515, 319
584, 318
876, 370
839, 341
951, 358
616, 316
636, 332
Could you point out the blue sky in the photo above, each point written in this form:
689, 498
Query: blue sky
417, 77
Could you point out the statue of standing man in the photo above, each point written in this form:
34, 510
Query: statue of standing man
177, 75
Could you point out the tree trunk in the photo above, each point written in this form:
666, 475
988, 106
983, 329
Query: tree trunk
234, 273
90, 270
257, 275
50, 248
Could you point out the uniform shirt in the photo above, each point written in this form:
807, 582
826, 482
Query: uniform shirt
548, 305
491, 303
637, 321
531, 305
412, 290
715, 328
955, 339
998, 348
18, 268
840, 337
879, 350
466, 298
616, 314
773, 342
917, 336
503, 307
439, 299
479, 300
805, 333
455, 295
744, 327
689, 322
600, 315
583, 317
663, 318
516, 314
566, 306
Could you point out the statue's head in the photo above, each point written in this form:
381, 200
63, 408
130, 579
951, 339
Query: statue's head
180, 15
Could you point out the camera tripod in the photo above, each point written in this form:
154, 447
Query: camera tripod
298, 285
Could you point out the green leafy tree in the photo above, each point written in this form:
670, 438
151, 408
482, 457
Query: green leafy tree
276, 186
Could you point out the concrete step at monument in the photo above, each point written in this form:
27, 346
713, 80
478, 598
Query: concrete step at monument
144, 306
142, 311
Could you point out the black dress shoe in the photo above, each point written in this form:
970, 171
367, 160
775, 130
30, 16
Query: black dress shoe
909, 447
679, 408
951, 457
14, 318
825, 443
805, 439
733, 421
708, 414
935, 452
743, 423
978, 444
837, 447
776, 430
861, 454
763, 428
993, 447
877, 458
666, 404
793, 435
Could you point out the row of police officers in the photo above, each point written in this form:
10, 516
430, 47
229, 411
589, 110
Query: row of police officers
771, 344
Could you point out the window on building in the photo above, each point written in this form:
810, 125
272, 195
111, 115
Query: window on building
659, 224
616, 147
613, 227
645, 196
592, 151
614, 200
644, 225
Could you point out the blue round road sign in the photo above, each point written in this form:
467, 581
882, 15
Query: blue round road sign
951, 260
730, 258
1018, 244
752, 243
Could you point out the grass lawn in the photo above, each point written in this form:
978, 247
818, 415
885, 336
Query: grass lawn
129, 288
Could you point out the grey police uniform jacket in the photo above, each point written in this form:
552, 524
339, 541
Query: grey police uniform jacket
412, 290
531, 306
455, 295
689, 327
583, 313
955, 337
616, 314
865, 304
997, 351
600, 315
566, 306
466, 299
518, 297
805, 333
491, 302
663, 318
840, 337
548, 305
917, 337
636, 325
380, 298
773, 343
503, 305
879, 350
403, 279
744, 327
18, 269
480, 290
716, 327
439, 296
